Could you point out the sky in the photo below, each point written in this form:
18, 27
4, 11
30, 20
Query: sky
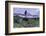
33, 11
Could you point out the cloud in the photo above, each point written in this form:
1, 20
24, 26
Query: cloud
33, 11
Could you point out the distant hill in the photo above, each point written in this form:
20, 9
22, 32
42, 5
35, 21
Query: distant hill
26, 16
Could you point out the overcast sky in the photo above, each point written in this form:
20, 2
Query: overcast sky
33, 11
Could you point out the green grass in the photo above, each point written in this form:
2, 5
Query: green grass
19, 22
